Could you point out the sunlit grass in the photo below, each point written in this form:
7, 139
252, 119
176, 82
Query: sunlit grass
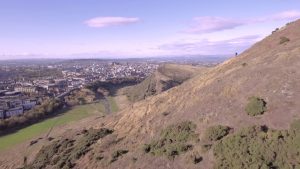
113, 105
76, 113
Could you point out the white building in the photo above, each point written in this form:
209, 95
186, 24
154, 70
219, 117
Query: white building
2, 114
14, 111
26, 89
28, 104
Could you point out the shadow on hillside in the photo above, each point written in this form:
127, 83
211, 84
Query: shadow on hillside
112, 86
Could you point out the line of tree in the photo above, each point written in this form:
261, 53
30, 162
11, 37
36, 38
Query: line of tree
47, 108
113, 84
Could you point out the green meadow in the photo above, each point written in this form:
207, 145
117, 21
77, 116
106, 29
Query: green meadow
113, 105
43, 127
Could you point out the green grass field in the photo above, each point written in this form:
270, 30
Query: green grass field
76, 113
113, 105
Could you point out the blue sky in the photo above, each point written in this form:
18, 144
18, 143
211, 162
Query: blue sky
137, 28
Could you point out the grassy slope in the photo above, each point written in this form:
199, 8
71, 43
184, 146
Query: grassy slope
166, 77
113, 105
271, 71
27, 133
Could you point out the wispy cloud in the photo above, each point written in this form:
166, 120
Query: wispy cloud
282, 16
286, 15
212, 47
100, 22
184, 46
208, 24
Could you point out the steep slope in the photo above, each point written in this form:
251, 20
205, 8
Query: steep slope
179, 119
269, 70
166, 77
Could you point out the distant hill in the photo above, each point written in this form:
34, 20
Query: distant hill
166, 77
240, 114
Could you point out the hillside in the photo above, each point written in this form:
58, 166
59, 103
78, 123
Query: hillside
203, 122
166, 77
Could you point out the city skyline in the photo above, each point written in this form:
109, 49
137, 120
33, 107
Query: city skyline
119, 29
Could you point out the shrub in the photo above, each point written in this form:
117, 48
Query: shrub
165, 113
147, 148
215, 133
277, 29
3, 124
256, 106
48, 107
134, 159
81, 101
89, 138
115, 155
206, 147
283, 40
255, 147
194, 157
173, 140
181, 132
99, 158
64, 153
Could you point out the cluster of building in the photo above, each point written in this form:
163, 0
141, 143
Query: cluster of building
112, 70
14, 103
20, 95
26, 95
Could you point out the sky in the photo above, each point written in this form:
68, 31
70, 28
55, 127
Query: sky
137, 28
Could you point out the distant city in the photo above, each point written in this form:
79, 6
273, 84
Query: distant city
26, 83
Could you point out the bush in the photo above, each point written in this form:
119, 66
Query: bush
206, 147
194, 158
173, 140
165, 113
147, 148
48, 107
277, 29
115, 155
64, 153
80, 97
256, 106
256, 147
215, 133
283, 40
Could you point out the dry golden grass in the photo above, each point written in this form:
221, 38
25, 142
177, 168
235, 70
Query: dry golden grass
215, 97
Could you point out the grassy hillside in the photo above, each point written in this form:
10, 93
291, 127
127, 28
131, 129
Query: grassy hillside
113, 105
76, 113
240, 114
166, 77
223, 95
